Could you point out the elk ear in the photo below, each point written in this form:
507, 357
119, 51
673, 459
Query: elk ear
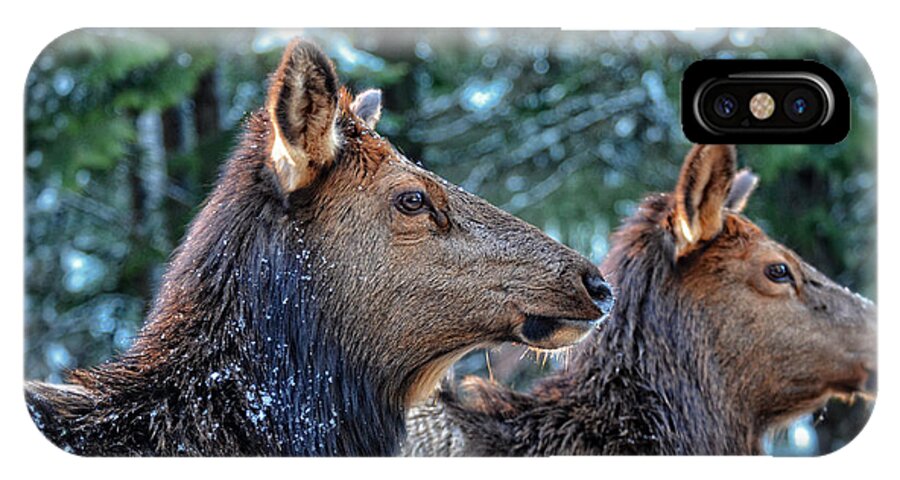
744, 183
700, 195
302, 106
367, 106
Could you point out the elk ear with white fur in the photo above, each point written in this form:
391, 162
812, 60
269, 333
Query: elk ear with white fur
744, 183
367, 106
700, 196
302, 106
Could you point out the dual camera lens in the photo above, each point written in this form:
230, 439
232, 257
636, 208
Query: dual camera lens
763, 101
799, 105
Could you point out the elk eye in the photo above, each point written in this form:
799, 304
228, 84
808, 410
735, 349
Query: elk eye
779, 273
411, 203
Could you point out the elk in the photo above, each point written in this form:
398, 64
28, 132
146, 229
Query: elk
718, 334
324, 287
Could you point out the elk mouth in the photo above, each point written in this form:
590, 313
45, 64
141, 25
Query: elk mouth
550, 332
554, 332
863, 383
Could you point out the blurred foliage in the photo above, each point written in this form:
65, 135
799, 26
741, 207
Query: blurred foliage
568, 130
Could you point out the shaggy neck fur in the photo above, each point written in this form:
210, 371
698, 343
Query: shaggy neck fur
646, 383
237, 357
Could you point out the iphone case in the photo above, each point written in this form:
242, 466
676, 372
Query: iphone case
228, 254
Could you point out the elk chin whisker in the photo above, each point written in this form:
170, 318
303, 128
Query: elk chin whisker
542, 355
850, 398
865, 396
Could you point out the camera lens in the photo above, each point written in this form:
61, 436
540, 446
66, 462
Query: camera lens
801, 105
725, 105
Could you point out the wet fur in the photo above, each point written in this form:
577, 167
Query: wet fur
222, 367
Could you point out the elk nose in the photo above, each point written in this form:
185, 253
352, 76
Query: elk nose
600, 291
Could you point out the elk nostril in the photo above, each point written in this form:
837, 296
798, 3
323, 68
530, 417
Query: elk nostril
599, 291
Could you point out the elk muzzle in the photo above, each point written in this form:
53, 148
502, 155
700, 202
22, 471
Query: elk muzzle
551, 332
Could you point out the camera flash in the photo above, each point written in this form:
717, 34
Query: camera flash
762, 105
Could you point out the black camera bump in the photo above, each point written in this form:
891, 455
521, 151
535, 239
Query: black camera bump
764, 101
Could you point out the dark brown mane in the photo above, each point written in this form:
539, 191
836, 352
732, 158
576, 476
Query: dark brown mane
229, 277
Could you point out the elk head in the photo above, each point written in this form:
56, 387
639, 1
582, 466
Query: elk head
786, 337
411, 272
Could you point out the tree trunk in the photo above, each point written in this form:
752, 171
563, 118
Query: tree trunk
206, 106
